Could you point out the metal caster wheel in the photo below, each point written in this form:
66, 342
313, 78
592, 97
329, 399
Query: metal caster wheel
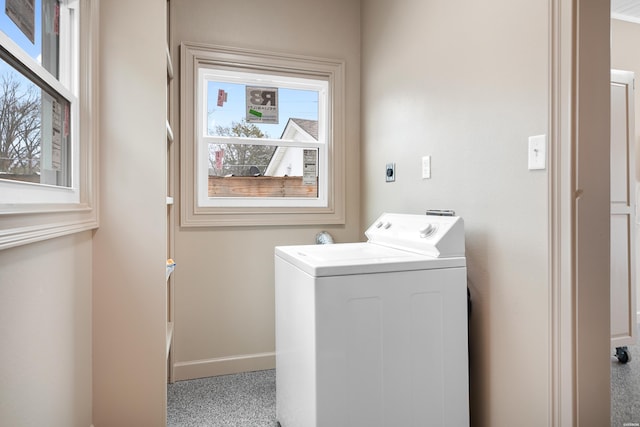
622, 353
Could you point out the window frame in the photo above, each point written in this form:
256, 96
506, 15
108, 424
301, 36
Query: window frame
254, 211
38, 212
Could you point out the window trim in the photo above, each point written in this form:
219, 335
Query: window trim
23, 223
197, 55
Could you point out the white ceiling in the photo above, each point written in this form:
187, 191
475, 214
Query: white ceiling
626, 9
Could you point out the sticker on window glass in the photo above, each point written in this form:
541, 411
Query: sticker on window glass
56, 20
262, 105
310, 167
22, 13
56, 138
219, 158
222, 97
66, 120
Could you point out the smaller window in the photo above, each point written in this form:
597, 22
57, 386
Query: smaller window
264, 143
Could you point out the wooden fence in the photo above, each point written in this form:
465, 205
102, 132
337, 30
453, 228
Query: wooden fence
260, 186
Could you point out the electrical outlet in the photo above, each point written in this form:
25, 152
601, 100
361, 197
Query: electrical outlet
390, 172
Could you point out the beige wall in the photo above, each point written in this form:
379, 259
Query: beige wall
468, 86
45, 333
625, 38
129, 248
224, 301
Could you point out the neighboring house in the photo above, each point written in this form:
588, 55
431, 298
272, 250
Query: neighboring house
287, 161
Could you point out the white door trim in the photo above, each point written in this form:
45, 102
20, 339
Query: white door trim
561, 212
579, 48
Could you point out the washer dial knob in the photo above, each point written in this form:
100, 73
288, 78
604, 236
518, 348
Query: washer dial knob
428, 230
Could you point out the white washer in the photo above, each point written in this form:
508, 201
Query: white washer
374, 334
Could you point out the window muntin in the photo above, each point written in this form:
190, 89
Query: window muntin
39, 161
235, 143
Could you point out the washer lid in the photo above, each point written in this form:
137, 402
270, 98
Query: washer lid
359, 258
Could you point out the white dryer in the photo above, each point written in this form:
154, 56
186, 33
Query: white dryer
374, 334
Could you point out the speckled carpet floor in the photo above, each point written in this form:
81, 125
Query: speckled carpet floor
249, 399
625, 390
241, 400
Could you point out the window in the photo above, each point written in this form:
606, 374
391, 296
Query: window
45, 152
262, 136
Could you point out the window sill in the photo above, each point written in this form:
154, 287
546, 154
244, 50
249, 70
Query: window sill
21, 227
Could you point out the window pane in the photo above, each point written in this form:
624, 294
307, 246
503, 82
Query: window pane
34, 131
227, 105
244, 170
35, 27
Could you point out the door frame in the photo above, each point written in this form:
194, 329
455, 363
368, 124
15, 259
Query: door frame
578, 123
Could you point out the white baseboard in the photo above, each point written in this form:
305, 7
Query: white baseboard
223, 366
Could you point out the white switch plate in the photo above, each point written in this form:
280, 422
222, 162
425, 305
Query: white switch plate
537, 152
426, 167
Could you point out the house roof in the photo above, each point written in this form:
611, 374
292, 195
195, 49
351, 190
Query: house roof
309, 126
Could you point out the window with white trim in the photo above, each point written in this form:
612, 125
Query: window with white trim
264, 145
46, 156
38, 101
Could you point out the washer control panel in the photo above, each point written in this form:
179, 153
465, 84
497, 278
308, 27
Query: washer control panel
438, 236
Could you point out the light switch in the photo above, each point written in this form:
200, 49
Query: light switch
426, 167
537, 152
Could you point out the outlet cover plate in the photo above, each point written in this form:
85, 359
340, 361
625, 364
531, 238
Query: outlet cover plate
390, 172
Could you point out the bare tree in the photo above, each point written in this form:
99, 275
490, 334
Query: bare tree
20, 122
241, 159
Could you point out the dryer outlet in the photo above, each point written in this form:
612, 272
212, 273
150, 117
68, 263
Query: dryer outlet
390, 172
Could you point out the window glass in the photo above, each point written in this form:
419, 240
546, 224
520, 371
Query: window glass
231, 108
264, 137
21, 21
35, 108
